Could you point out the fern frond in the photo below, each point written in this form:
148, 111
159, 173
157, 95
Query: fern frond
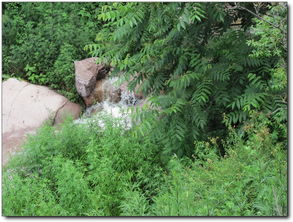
202, 92
183, 81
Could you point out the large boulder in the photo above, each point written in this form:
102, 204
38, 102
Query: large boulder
26, 107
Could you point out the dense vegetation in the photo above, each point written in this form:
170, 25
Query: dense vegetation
86, 171
211, 141
41, 41
201, 71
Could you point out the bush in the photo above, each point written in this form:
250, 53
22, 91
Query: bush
251, 180
80, 171
41, 41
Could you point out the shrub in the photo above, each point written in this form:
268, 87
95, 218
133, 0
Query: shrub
84, 171
251, 180
41, 41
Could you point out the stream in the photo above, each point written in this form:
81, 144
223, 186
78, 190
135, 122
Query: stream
118, 110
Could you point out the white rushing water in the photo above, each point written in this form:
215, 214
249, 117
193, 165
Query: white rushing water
120, 110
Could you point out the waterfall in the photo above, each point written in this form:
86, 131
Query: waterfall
119, 110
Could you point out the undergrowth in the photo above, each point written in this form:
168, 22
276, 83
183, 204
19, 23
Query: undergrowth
84, 170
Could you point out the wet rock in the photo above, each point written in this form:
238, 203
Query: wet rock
103, 91
115, 96
89, 78
95, 86
96, 95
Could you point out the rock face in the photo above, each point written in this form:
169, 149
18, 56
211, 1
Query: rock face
87, 72
26, 107
91, 83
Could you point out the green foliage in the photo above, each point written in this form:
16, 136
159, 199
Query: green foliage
28, 196
81, 171
250, 180
63, 72
272, 31
211, 139
41, 41
271, 42
32, 76
88, 171
198, 68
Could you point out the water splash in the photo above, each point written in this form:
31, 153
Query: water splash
118, 110
128, 98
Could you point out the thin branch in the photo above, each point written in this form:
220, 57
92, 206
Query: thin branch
256, 8
234, 24
259, 17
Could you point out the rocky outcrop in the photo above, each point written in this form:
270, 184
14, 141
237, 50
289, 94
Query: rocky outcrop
26, 107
